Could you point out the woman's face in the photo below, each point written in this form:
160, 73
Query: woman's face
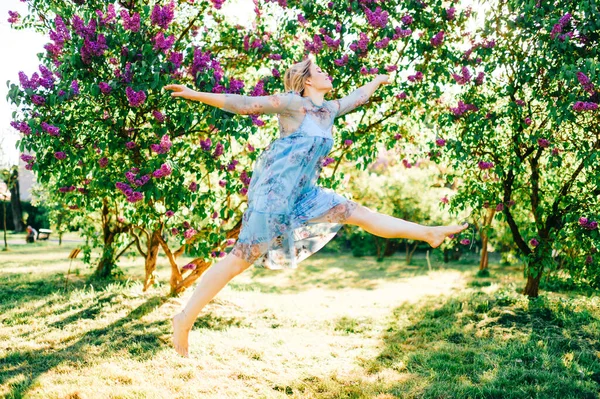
319, 80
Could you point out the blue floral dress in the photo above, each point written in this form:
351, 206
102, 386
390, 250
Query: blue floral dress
289, 217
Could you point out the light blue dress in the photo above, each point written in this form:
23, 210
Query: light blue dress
289, 217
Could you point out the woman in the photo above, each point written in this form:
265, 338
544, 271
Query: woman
289, 217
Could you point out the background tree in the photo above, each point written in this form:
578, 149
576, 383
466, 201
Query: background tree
523, 135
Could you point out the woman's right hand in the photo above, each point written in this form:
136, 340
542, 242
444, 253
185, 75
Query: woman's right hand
180, 91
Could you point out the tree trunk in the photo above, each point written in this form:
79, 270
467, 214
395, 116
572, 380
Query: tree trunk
4, 213
107, 261
15, 201
390, 248
151, 257
409, 255
533, 284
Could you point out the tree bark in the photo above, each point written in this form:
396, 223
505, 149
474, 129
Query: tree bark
151, 257
15, 201
532, 286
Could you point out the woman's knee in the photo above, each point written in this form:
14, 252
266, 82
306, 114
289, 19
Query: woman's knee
360, 216
237, 264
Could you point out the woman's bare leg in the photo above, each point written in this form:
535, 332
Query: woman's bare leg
211, 282
387, 226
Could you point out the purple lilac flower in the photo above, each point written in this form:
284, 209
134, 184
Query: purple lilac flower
583, 221
407, 20
440, 142
327, 161
464, 77
222, 183
416, 77
174, 231
193, 187
218, 150
450, 13
401, 95
130, 145
189, 233
189, 266
93, 49
479, 79
360, 45
465, 241
13, 17
383, 43
38, 100
109, 17
75, 87
316, 46
162, 16
22, 127
437, 39
244, 191
103, 162
205, 144
161, 43
245, 178
485, 165
26, 83
135, 98
558, 27
584, 106
158, 115
169, 213
342, 61
165, 170
400, 33
332, 43
348, 142
499, 207
176, 58
104, 87
231, 165
534, 242
527, 121
377, 18
585, 82
51, 130
131, 23
462, 108
60, 155
301, 19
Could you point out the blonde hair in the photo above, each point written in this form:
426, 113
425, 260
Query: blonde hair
296, 75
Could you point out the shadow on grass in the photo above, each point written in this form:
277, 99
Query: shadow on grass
482, 345
340, 271
27, 297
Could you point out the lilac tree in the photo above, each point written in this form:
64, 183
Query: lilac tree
150, 171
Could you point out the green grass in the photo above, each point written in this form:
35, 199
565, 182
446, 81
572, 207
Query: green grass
337, 327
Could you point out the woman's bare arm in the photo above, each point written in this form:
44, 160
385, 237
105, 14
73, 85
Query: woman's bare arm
235, 103
359, 96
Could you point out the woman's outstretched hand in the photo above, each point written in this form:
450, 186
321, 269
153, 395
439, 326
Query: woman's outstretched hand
383, 79
180, 91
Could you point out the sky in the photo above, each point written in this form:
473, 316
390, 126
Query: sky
19, 49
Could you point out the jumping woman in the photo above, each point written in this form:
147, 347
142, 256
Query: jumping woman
289, 217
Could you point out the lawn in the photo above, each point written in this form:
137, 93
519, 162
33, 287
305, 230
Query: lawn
337, 327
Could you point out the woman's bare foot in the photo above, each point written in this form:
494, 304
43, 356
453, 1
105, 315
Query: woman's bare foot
437, 234
180, 334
